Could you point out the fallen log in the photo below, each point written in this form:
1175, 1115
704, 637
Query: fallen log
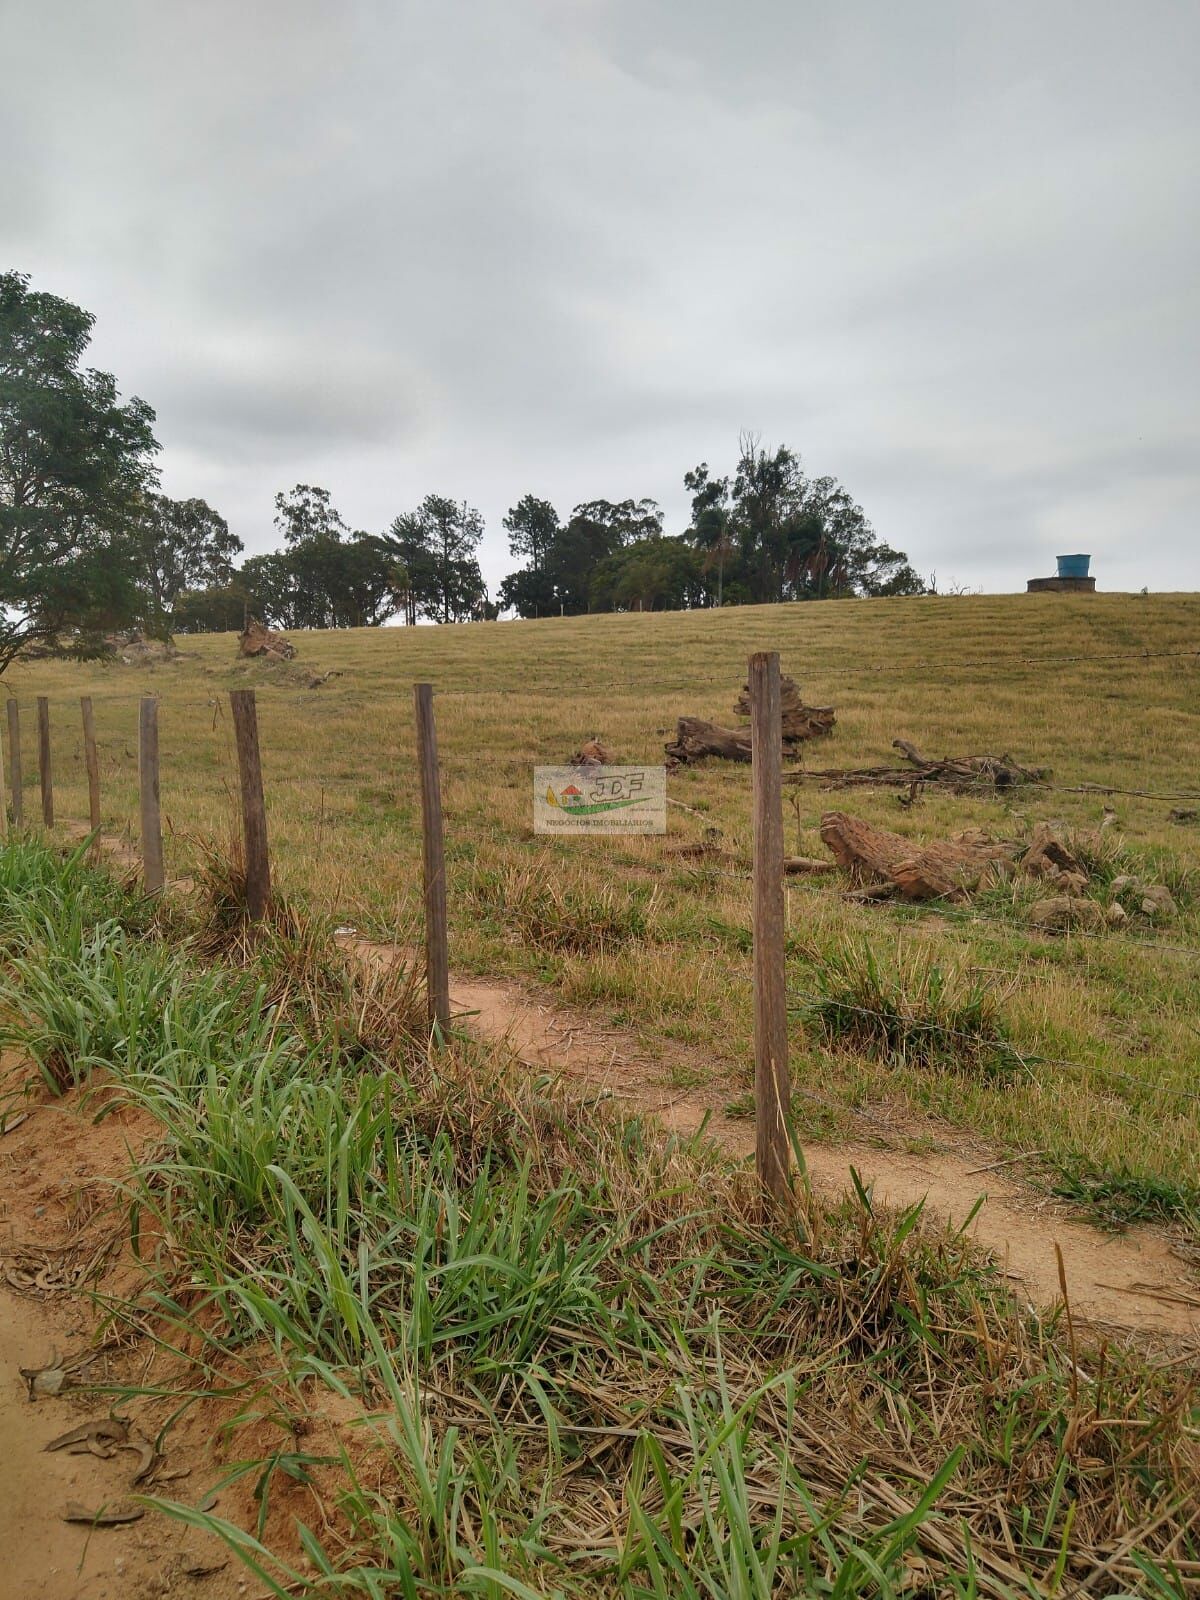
256, 639
696, 739
942, 869
963, 774
795, 865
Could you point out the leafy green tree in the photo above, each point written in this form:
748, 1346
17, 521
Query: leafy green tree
712, 522
409, 540
325, 576
435, 548
307, 514
768, 505
778, 534
533, 528
655, 574
220, 608
75, 465
596, 531
367, 591
455, 530
563, 560
182, 545
271, 592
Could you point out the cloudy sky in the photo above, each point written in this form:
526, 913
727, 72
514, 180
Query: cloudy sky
947, 249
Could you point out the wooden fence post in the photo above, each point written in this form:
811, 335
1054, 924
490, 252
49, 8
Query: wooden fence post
254, 810
772, 1083
91, 761
151, 820
14, 765
437, 957
43, 718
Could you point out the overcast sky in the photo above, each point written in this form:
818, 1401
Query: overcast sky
948, 251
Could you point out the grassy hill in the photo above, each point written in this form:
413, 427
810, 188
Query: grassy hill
1102, 1048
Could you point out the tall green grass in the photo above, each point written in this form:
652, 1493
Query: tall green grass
913, 1011
588, 1363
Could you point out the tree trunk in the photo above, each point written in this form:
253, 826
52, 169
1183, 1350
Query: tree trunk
943, 868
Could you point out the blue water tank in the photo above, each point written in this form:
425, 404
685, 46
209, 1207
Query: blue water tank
1073, 566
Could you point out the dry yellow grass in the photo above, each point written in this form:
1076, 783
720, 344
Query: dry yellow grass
945, 673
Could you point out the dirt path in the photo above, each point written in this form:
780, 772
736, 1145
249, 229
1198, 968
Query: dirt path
56, 1170
1134, 1279
45, 1558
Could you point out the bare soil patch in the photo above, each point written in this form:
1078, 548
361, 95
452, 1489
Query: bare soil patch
63, 1234
58, 1239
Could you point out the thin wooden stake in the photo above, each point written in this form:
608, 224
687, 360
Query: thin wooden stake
43, 718
14, 765
91, 759
772, 1083
254, 808
153, 876
437, 955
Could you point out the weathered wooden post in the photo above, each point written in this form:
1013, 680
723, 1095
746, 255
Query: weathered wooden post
47, 781
91, 759
772, 1083
254, 809
437, 956
153, 876
15, 779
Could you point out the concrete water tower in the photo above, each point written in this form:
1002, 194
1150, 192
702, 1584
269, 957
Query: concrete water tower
1072, 578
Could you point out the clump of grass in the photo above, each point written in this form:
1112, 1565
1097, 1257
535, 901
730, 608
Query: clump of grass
1104, 855
298, 958
544, 906
40, 888
1121, 1196
912, 1011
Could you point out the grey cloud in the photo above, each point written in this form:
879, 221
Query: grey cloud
948, 252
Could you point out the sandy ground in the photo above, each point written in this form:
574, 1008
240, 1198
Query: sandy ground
58, 1235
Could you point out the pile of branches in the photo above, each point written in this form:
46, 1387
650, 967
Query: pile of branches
960, 774
695, 739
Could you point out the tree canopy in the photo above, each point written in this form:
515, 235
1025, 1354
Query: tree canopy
182, 545
76, 467
89, 544
765, 532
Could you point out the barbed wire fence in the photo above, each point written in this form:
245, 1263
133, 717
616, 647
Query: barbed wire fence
254, 818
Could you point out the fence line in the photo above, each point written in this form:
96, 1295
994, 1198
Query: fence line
91, 757
772, 1085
